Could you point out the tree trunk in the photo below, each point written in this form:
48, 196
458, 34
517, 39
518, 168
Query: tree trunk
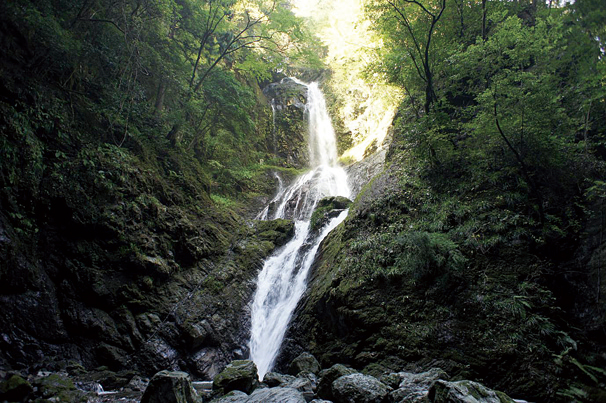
484, 20
173, 135
160, 97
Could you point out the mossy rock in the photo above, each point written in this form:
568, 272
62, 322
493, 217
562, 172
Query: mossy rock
169, 387
328, 376
466, 391
59, 387
327, 208
304, 363
277, 231
239, 375
15, 389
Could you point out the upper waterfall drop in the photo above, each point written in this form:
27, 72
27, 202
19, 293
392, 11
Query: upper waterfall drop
283, 279
322, 139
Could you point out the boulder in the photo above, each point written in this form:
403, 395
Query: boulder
304, 363
137, 384
465, 392
239, 375
235, 396
311, 377
328, 376
304, 386
264, 395
276, 395
413, 387
273, 379
359, 388
169, 387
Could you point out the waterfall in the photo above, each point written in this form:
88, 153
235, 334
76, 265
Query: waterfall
283, 279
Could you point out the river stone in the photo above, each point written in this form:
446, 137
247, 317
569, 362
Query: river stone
465, 392
276, 395
238, 375
235, 396
304, 386
328, 376
413, 387
311, 377
304, 363
169, 387
359, 388
273, 379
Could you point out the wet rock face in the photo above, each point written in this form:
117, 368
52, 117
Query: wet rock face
361, 172
328, 208
288, 137
121, 303
286, 93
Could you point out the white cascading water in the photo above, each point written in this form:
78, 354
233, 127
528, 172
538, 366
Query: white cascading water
283, 279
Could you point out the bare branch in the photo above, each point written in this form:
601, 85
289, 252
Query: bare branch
420, 5
104, 21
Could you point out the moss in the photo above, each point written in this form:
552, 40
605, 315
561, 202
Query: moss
212, 285
238, 375
59, 387
15, 388
327, 208
405, 280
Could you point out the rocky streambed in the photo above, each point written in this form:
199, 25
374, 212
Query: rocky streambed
305, 382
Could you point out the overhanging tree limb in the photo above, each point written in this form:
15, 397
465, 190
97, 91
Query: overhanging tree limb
232, 47
103, 21
424, 52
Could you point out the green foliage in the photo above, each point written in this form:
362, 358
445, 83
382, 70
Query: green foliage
165, 74
510, 119
414, 256
223, 201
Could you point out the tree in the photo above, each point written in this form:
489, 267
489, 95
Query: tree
417, 25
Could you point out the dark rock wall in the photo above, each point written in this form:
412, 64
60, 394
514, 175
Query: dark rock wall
288, 141
115, 255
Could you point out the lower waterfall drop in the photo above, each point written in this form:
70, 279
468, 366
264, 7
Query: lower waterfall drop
283, 279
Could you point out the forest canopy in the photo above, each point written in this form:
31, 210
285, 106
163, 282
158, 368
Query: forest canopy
184, 65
